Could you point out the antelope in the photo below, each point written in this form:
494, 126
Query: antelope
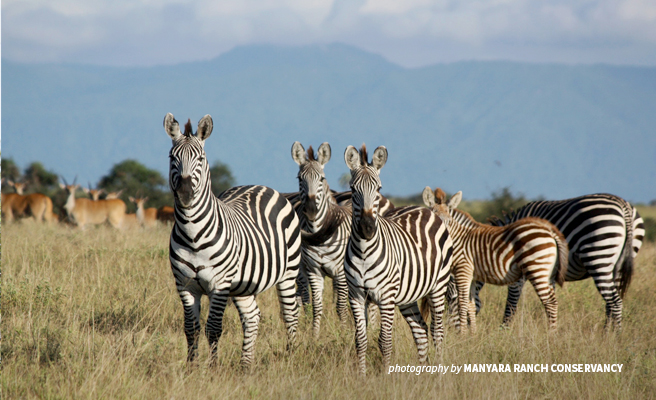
166, 214
18, 205
130, 221
146, 217
84, 211
113, 195
94, 194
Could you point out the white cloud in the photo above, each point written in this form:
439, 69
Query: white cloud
141, 31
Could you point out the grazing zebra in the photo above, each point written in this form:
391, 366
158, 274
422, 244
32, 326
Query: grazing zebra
236, 246
395, 259
604, 233
529, 247
330, 226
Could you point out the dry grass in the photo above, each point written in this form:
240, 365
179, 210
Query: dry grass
95, 314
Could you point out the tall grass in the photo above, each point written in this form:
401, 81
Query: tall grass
95, 314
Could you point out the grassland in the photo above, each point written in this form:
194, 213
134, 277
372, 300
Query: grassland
95, 314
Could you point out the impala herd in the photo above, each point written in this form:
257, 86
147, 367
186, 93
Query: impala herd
82, 211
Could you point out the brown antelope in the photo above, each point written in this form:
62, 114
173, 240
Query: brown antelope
166, 214
17, 205
94, 194
146, 217
113, 195
84, 211
130, 221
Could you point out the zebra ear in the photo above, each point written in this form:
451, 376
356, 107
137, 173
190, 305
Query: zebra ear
324, 153
380, 157
298, 153
429, 197
205, 126
171, 126
352, 158
455, 200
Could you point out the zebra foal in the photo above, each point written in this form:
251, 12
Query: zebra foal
393, 260
236, 246
530, 247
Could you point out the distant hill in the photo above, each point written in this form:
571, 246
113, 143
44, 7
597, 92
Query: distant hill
551, 130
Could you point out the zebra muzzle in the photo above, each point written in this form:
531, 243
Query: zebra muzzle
368, 225
184, 192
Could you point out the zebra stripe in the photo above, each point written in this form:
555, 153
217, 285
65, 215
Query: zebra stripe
395, 259
529, 247
236, 246
604, 233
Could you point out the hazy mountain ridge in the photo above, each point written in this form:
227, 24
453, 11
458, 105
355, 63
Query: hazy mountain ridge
543, 129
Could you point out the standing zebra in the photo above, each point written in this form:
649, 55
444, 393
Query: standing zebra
604, 233
330, 226
395, 259
234, 246
529, 247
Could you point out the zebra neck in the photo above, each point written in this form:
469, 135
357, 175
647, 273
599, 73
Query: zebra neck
322, 216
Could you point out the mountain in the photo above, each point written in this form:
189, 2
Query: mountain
546, 130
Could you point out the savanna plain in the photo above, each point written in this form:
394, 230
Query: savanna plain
95, 314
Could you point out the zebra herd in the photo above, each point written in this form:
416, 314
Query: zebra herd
251, 238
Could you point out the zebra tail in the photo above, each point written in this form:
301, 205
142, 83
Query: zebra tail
626, 259
424, 308
563, 255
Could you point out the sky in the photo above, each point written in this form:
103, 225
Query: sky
411, 33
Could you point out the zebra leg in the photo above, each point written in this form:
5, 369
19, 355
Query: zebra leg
419, 329
463, 303
514, 293
249, 313
540, 281
191, 304
288, 306
437, 300
303, 292
385, 337
340, 292
357, 302
316, 283
608, 290
477, 297
214, 327
452, 302
471, 309
371, 313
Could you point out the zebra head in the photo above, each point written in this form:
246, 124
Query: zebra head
312, 183
437, 202
365, 187
189, 174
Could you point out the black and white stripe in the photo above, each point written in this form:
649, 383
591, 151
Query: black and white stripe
530, 247
604, 233
393, 260
236, 246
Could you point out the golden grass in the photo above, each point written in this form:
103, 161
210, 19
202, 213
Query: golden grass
95, 314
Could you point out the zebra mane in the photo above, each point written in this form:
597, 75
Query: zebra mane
188, 128
310, 154
464, 218
364, 158
440, 196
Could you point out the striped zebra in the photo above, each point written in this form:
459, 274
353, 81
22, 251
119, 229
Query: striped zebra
395, 259
329, 223
236, 246
604, 233
529, 247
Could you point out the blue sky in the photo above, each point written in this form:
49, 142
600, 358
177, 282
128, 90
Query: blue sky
410, 33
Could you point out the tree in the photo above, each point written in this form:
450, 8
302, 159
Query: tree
503, 200
10, 171
40, 180
137, 180
221, 177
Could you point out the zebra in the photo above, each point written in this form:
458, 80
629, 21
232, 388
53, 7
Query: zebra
236, 245
329, 223
530, 247
604, 233
393, 259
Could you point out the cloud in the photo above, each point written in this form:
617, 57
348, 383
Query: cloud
411, 32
